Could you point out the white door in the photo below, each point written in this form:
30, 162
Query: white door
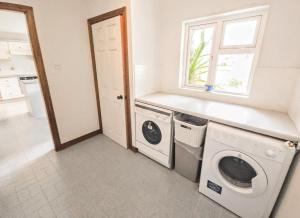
109, 64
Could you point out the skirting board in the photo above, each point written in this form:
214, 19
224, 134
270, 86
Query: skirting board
79, 139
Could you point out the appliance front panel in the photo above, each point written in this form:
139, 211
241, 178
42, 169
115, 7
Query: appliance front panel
153, 133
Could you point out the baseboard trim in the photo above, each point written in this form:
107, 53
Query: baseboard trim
79, 139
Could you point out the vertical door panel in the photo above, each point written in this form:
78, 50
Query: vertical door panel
109, 63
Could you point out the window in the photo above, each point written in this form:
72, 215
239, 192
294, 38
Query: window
219, 52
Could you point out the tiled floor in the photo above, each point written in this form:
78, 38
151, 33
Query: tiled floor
96, 178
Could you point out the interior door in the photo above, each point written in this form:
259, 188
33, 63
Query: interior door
109, 65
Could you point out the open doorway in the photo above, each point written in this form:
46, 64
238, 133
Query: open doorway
27, 121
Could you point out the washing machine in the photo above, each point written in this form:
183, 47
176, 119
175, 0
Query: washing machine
154, 132
244, 171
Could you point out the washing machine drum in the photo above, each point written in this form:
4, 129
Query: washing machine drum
240, 173
237, 171
151, 132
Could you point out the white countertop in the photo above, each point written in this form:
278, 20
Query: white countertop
7, 75
271, 123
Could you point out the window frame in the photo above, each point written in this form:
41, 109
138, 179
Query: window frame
187, 53
219, 22
258, 18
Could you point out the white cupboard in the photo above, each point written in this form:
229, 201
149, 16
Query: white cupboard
4, 51
20, 48
10, 88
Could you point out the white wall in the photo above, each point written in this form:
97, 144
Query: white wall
63, 36
288, 201
98, 7
145, 45
288, 206
279, 63
294, 110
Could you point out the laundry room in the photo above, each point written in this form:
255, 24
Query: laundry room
149, 108
233, 100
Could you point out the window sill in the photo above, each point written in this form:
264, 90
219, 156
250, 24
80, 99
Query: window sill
214, 93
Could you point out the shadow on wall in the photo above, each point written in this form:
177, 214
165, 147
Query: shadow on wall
288, 201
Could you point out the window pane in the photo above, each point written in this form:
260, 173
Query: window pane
233, 72
200, 46
240, 33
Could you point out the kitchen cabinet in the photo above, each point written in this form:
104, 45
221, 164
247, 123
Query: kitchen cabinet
20, 48
4, 51
10, 88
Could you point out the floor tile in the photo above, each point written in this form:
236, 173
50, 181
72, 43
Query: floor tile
93, 179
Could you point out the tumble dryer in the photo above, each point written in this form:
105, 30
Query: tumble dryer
244, 171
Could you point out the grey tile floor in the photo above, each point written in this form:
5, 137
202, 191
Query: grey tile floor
93, 179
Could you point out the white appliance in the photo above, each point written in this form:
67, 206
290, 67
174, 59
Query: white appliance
244, 171
33, 96
154, 132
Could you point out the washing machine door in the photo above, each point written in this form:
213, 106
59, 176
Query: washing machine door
240, 173
151, 132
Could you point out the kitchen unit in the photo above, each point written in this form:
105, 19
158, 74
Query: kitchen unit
20, 48
10, 88
16, 67
4, 51
16, 60
10, 48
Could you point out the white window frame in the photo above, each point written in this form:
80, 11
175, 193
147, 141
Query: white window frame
219, 21
258, 18
187, 53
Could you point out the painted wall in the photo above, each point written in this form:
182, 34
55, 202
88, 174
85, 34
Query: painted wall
288, 201
145, 45
63, 35
279, 62
288, 204
294, 110
143, 40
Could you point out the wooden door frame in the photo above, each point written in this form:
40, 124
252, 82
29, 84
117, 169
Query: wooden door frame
122, 13
39, 63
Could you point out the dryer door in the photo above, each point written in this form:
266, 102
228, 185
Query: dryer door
240, 173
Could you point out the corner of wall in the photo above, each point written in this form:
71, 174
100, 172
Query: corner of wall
294, 107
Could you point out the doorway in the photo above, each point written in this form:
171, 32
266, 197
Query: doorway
108, 40
27, 119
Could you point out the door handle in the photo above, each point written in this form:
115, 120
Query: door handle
120, 97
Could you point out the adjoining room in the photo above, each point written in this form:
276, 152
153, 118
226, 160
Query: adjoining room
25, 131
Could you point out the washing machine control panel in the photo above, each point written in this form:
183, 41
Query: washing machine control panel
266, 150
270, 153
251, 143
